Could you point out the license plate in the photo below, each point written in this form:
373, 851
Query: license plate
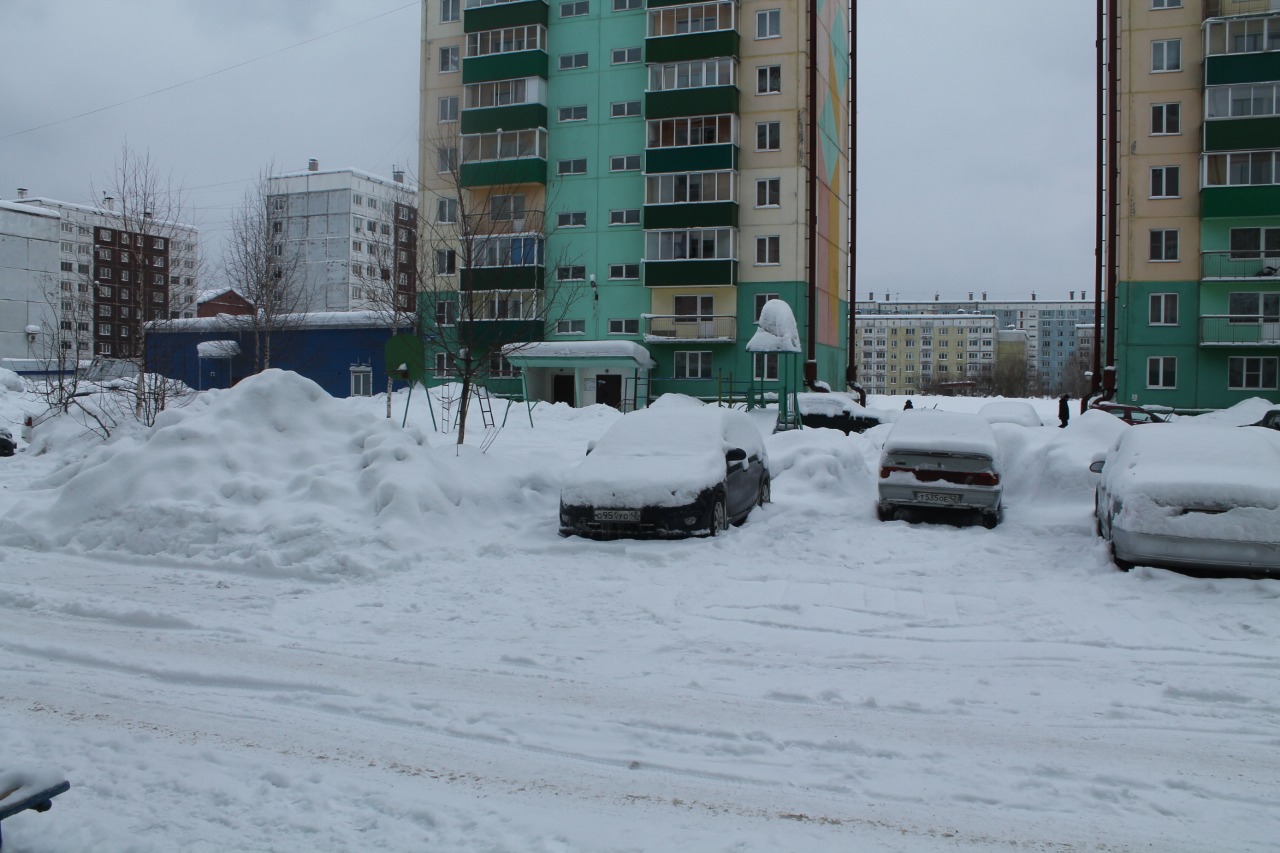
616, 515
938, 497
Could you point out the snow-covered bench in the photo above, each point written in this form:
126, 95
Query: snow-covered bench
28, 789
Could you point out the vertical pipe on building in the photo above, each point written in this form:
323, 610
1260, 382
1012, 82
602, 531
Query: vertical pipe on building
811, 354
1099, 209
1113, 191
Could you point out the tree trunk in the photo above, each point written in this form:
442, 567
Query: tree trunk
462, 411
388, 396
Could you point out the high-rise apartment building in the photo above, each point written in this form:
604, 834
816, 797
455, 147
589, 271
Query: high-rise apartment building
914, 353
653, 160
28, 272
115, 272
352, 235
1197, 308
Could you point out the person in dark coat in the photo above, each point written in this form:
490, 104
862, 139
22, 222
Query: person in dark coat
907, 405
1064, 411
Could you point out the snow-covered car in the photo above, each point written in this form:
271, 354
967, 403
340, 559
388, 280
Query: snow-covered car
1271, 420
1191, 496
7, 445
940, 460
835, 410
1010, 412
1129, 414
667, 472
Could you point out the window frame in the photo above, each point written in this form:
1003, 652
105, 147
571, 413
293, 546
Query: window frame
568, 167
1165, 113
570, 113
772, 193
1164, 246
768, 22
770, 246
450, 59
1162, 372
1161, 175
1160, 307
772, 136
1160, 56
573, 61
1263, 363
769, 79
701, 360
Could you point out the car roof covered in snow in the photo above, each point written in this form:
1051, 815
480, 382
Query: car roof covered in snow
935, 431
1191, 464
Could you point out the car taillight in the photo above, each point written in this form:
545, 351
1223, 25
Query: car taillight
985, 479
886, 470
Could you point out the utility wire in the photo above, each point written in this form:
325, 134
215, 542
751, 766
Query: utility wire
209, 74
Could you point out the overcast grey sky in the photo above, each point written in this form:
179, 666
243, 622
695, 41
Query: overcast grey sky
975, 120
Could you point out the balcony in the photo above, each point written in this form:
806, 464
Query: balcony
1220, 8
1239, 266
1239, 330
685, 328
481, 15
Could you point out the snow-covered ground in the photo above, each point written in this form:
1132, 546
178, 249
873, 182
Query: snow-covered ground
278, 621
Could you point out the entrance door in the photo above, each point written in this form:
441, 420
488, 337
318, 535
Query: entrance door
609, 390
562, 389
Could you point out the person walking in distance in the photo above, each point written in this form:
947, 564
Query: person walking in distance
1064, 411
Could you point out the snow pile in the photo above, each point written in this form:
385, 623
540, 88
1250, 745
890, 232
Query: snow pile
273, 473
11, 381
822, 461
1051, 466
832, 404
777, 330
1245, 412
1010, 412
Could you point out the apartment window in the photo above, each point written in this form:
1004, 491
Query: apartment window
1164, 244
1166, 55
571, 219
104, 328
446, 312
444, 365
769, 192
1244, 35
104, 254
571, 327
627, 5
625, 55
690, 244
1162, 372
1242, 101
1246, 168
624, 326
693, 365
1251, 372
450, 11
448, 59
698, 130
1164, 182
765, 366
357, 199
447, 109
1163, 309
571, 273
507, 40
768, 250
105, 273
107, 234
691, 309
1254, 307
67, 266
700, 18
446, 262
769, 136
447, 160
624, 271
446, 210
572, 60
501, 93
506, 208
1165, 119
575, 113
1252, 243
761, 299
624, 109
769, 80
157, 243
500, 367
571, 167
681, 188
769, 24
104, 310
626, 216
693, 74
361, 381
575, 9
1166, 4
624, 163
104, 349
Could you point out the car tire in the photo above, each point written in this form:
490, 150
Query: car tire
766, 493
886, 513
1122, 565
719, 517
991, 519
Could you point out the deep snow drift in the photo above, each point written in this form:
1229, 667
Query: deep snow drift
278, 621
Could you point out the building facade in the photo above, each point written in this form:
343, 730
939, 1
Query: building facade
933, 353
114, 272
1198, 297
352, 235
28, 277
1053, 349
642, 170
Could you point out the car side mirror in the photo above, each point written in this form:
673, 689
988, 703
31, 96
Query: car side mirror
1096, 465
736, 455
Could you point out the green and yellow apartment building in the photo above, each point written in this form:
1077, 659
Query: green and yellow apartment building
1198, 300
645, 166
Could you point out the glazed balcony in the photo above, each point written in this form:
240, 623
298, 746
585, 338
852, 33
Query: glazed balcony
685, 328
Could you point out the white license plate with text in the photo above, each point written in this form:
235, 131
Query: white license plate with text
938, 497
616, 515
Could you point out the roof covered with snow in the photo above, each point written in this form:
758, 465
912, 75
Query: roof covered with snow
314, 320
529, 354
777, 330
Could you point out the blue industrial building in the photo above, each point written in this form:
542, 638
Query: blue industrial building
342, 352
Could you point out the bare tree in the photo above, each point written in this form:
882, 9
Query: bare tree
488, 289
66, 330
135, 270
1009, 379
260, 264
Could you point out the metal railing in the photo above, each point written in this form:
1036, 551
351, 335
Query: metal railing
1239, 265
684, 328
1240, 330
1220, 8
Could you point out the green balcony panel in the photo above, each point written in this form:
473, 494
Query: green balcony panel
485, 334
502, 15
691, 158
692, 46
498, 173
502, 278
714, 100
658, 4
505, 66
689, 273
522, 117
700, 215
1242, 68
1239, 201
1238, 134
